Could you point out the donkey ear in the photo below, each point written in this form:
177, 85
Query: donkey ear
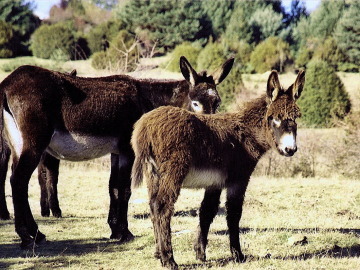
220, 74
298, 85
187, 71
273, 85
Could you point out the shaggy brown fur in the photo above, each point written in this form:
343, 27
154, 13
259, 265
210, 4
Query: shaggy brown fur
77, 118
175, 148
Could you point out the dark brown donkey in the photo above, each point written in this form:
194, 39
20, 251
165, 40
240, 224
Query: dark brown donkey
47, 172
175, 148
76, 118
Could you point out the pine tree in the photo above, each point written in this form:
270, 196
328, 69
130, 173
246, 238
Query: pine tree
347, 33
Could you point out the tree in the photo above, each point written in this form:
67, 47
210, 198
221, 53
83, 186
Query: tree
272, 53
6, 40
324, 99
219, 13
347, 33
19, 14
52, 40
168, 22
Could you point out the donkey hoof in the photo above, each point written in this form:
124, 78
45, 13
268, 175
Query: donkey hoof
45, 213
4, 216
123, 237
170, 265
27, 244
200, 254
240, 258
57, 214
40, 238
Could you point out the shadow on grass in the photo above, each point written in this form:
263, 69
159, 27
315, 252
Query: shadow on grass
305, 230
188, 213
335, 252
74, 247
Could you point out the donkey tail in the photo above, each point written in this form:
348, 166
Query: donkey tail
140, 149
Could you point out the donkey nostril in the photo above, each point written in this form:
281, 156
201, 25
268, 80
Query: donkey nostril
290, 151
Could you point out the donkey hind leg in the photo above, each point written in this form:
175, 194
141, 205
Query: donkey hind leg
48, 175
234, 205
209, 208
25, 224
120, 192
162, 209
4, 160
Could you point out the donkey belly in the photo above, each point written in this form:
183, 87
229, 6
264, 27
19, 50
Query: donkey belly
204, 178
80, 147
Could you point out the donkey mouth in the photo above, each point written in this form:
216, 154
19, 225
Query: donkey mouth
287, 152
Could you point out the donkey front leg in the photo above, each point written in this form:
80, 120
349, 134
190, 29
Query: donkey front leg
120, 192
48, 175
25, 224
209, 208
234, 204
4, 161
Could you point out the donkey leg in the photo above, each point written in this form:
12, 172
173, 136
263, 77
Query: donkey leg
163, 210
48, 179
120, 192
4, 161
208, 210
25, 224
234, 205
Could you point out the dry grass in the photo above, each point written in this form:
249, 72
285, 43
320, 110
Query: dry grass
326, 211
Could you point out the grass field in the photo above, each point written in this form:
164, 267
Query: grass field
326, 211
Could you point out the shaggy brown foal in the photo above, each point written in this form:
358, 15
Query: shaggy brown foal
175, 148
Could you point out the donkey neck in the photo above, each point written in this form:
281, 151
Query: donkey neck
253, 121
156, 93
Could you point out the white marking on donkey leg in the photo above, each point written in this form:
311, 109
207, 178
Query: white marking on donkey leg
13, 133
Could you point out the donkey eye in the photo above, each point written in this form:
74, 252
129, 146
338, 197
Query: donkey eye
195, 103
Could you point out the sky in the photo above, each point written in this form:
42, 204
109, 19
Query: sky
43, 6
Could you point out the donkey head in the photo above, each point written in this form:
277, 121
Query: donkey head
203, 96
282, 112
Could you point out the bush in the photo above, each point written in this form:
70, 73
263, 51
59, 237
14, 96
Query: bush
49, 39
303, 57
210, 59
6, 40
99, 36
185, 49
330, 52
324, 99
272, 53
122, 55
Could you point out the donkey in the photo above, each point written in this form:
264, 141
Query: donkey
77, 118
175, 148
48, 199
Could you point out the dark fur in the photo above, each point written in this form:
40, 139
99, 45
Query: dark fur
170, 142
42, 101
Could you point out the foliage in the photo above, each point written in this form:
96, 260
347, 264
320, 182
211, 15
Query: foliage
324, 99
347, 33
23, 21
122, 54
270, 54
50, 38
231, 86
167, 22
99, 36
253, 21
266, 22
14, 63
303, 57
330, 52
320, 24
219, 13
211, 57
186, 49
6, 40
